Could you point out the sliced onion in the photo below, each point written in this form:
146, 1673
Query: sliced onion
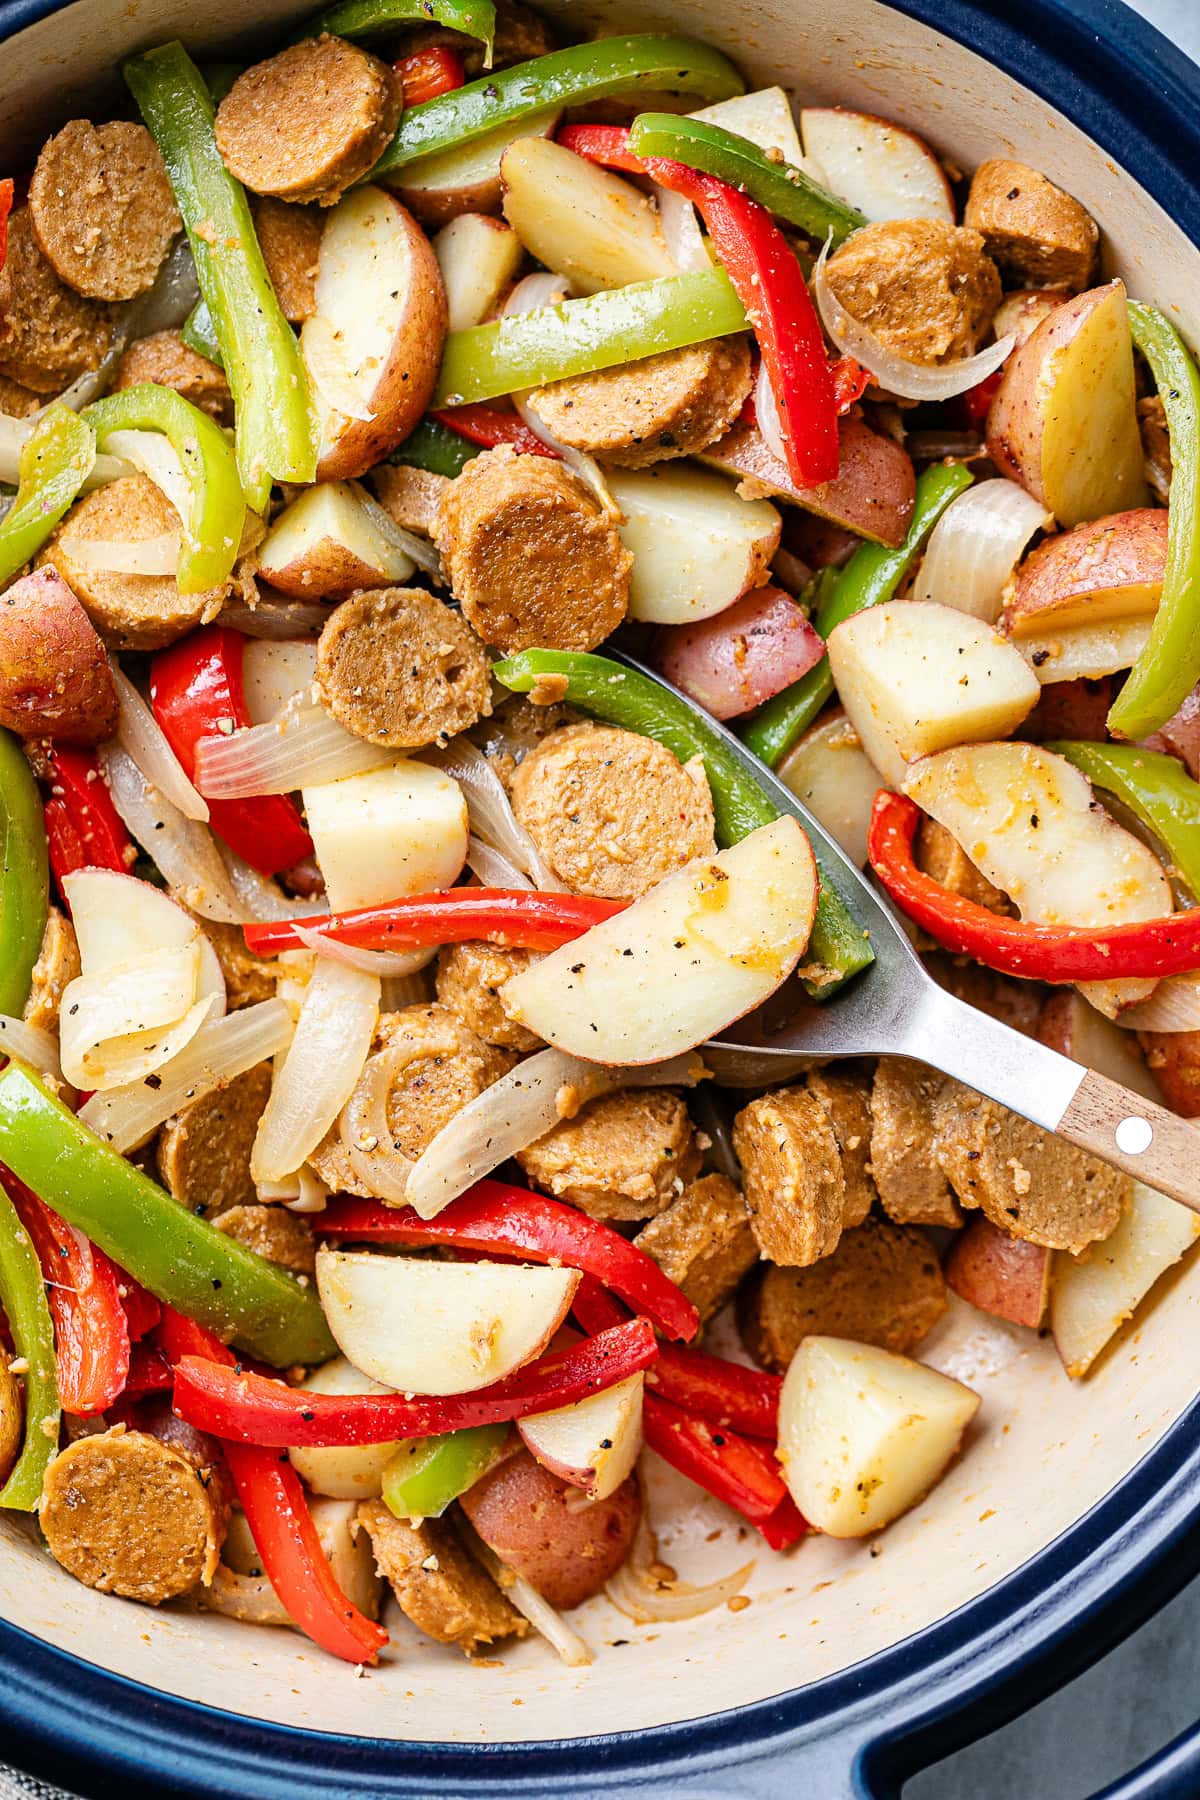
364, 1125
681, 232
127, 1023
578, 461
312, 1195
262, 899
908, 380
489, 809
140, 734
767, 414
303, 746
313, 1082
634, 1591
250, 1598
399, 991
29, 1044
518, 1110
274, 617
166, 304
417, 549
1173, 1006
183, 850
976, 545
156, 457
534, 292
493, 867
563, 1639
157, 555
221, 1049
371, 962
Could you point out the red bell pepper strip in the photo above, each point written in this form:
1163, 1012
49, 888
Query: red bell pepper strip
494, 1216
83, 827
770, 284
142, 1311
488, 425
427, 73
785, 1527
252, 1409
196, 692
517, 917
271, 1495
6, 205
732, 1468
91, 1333
149, 1373
1057, 953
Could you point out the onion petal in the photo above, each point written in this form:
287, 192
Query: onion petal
493, 867
157, 555
304, 745
183, 850
1173, 1006
681, 232
141, 736
563, 1639
635, 1592
370, 962
417, 549
975, 546
766, 411
489, 809
316, 1077
30, 1044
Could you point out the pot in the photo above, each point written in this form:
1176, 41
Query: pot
1070, 1518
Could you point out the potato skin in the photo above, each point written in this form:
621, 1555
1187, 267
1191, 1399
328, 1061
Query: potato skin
1006, 1276
1110, 568
872, 493
11, 1417
55, 681
520, 1512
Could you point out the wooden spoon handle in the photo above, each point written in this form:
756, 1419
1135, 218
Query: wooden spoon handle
1145, 1140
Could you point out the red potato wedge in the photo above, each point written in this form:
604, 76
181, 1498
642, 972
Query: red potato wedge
1064, 421
738, 659
566, 1552
373, 346
584, 222
872, 494
1109, 569
1001, 1275
594, 1444
1021, 313
479, 257
55, 680
466, 179
696, 544
325, 546
831, 774
883, 169
1094, 1294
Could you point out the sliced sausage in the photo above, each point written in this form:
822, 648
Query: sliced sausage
57, 964
131, 612
1174, 1058
531, 554
55, 679
49, 334
282, 1237
102, 209
703, 1242
410, 496
521, 34
624, 1156
926, 289
673, 404
165, 359
204, 1151
12, 1418
437, 1585
1033, 229
1028, 1182
906, 1171
248, 978
1156, 447
17, 402
612, 812
469, 979
129, 1515
846, 1096
400, 668
882, 1285
792, 1176
307, 123
290, 240
525, 1514
943, 857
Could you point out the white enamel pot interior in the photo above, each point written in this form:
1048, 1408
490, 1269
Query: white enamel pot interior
1044, 1454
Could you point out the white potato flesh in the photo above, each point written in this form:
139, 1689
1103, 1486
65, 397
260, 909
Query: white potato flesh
1095, 1293
580, 220
1085, 652
347, 1471
479, 258
831, 774
697, 546
765, 117
440, 1328
1028, 820
388, 832
118, 919
864, 1434
695, 953
272, 672
593, 1444
880, 168
325, 545
915, 678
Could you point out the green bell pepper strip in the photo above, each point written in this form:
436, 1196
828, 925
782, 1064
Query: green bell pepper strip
626, 697
570, 77
23, 1297
1156, 788
199, 334
615, 326
872, 576
362, 18
783, 189
24, 876
56, 460
1169, 667
216, 514
276, 422
219, 77
177, 1255
434, 447
426, 1474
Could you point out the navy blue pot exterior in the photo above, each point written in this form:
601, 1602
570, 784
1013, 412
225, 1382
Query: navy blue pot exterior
857, 1735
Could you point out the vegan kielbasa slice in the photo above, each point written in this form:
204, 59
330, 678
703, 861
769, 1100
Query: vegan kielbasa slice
674, 404
469, 979
204, 1151
532, 557
102, 209
165, 359
624, 1156
1032, 228
49, 334
307, 123
927, 290
289, 237
703, 1242
437, 1585
57, 964
792, 1172
396, 666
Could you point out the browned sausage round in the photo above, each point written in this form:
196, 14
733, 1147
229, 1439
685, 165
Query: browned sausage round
48, 333
1031, 227
102, 209
520, 1511
290, 239
670, 405
55, 680
204, 1151
164, 358
926, 289
469, 979
625, 1156
399, 668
